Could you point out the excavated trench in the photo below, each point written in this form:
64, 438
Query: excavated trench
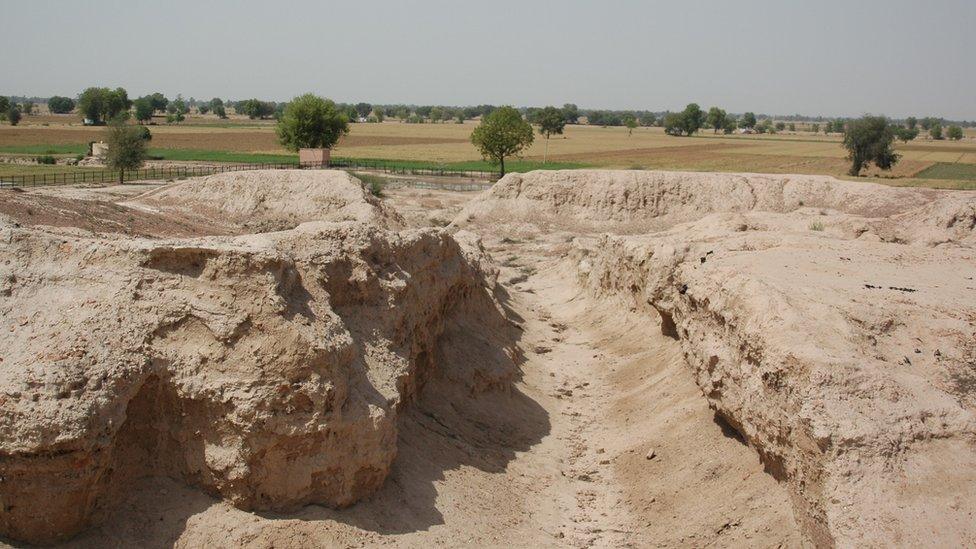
625, 358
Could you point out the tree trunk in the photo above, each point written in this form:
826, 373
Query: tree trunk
503, 166
545, 156
121, 176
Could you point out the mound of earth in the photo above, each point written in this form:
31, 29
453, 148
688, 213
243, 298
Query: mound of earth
832, 324
269, 200
268, 370
634, 202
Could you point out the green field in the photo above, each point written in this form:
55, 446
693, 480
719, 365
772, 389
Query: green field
924, 162
944, 170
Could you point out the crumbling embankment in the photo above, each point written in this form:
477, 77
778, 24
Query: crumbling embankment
268, 370
831, 323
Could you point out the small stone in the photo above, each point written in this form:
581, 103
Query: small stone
651, 454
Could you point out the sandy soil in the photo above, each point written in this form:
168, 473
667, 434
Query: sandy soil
561, 461
605, 440
606, 432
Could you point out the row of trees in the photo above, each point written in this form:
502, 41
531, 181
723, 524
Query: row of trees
99, 105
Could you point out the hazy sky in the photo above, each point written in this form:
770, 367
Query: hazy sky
830, 57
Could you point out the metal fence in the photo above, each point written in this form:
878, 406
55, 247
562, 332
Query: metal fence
81, 176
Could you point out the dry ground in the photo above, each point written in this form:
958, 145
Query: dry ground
614, 445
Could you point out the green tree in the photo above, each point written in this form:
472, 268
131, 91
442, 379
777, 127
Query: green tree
435, 114
648, 119
255, 108
177, 110
792, 126
502, 134
673, 123
869, 140
954, 133
780, 126
748, 120
60, 105
4, 107
159, 102
686, 122
631, 122
551, 122
694, 118
905, 134
144, 109
27, 108
101, 104
815, 128
203, 108
570, 113
13, 114
126, 147
911, 122
363, 109
218, 108
729, 124
935, 130
311, 122
715, 119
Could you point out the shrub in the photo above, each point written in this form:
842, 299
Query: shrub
47, 159
954, 133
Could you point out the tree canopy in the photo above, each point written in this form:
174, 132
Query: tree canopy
551, 122
311, 122
144, 109
954, 132
126, 147
159, 102
869, 140
686, 122
102, 104
570, 113
255, 108
715, 119
748, 120
60, 105
13, 114
501, 134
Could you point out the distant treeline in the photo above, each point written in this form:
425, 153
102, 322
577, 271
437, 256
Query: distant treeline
256, 108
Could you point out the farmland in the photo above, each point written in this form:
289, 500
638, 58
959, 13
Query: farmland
204, 138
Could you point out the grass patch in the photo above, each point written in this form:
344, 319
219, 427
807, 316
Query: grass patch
61, 148
946, 170
194, 155
374, 182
